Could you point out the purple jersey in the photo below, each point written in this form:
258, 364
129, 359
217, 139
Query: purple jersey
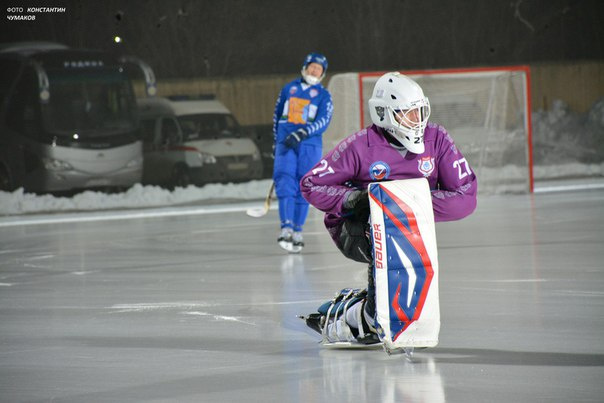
366, 156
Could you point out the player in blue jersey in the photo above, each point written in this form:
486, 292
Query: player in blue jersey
302, 113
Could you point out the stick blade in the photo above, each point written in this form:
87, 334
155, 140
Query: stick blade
256, 212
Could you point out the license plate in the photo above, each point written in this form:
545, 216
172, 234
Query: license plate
98, 182
237, 166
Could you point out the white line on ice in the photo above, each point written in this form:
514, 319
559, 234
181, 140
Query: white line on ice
35, 266
40, 257
146, 307
121, 215
232, 319
121, 308
520, 280
11, 251
576, 293
567, 188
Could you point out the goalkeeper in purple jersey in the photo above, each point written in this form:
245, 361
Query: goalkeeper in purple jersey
302, 113
400, 144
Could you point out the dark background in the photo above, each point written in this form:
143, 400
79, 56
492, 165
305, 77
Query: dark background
226, 38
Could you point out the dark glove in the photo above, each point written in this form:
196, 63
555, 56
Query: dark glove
354, 241
357, 203
294, 138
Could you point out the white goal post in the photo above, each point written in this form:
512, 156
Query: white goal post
486, 110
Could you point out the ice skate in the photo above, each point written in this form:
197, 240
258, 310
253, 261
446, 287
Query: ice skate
297, 242
331, 321
285, 239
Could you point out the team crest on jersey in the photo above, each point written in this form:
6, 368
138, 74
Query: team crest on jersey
313, 93
426, 165
293, 90
379, 171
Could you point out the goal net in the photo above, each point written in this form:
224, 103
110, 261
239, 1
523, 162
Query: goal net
486, 111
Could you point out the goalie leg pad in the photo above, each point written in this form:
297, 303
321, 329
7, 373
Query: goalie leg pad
405, 263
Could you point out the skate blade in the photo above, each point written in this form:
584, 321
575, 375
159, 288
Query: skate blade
406, 351
350, 345
286, 246
295, 249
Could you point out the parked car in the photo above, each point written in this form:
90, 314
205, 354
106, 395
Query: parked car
194, 140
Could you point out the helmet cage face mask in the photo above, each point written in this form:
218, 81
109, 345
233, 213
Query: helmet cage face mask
413, 118
310, 79
409, 124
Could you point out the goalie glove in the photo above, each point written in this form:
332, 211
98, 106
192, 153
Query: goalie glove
294, 138
357, 203
354, 238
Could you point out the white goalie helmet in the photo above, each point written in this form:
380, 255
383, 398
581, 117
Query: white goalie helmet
399, 106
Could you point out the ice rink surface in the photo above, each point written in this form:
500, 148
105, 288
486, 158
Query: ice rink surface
190, 305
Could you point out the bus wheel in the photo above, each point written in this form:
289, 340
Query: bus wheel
5, 182
180, 176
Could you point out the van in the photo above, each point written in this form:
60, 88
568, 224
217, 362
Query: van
194, 140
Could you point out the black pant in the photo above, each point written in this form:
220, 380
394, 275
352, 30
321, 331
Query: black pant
355, 244
370, 304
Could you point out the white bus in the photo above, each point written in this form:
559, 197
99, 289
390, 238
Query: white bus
68, 119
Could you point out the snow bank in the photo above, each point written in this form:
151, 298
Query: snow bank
19, 202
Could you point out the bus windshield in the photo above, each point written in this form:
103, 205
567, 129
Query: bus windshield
91, 103
208, 126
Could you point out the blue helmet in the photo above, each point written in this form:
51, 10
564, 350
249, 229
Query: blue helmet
314, 58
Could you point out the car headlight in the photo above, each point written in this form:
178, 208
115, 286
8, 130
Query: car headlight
134, 162
207, 158
256, 156
52, 164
